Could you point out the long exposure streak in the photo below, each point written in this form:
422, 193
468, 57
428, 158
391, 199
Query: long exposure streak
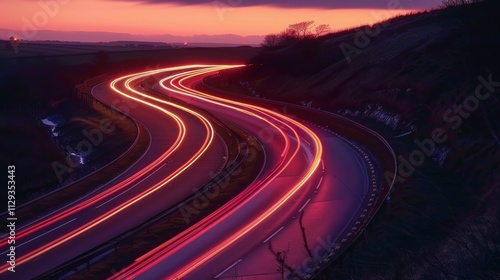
93, 200
162, 252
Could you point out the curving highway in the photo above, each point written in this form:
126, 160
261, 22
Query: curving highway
181, 139
234, 240
309, 197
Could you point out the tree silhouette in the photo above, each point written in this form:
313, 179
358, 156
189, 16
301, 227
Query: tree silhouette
322, 29
294, 33
302, 29
271, 40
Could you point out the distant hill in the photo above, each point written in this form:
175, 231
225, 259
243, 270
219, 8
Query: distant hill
84, 36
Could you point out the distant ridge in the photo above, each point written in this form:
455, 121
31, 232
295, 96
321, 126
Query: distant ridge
94, 37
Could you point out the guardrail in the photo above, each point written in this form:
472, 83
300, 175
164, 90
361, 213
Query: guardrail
377, 145
368, 138
96, 254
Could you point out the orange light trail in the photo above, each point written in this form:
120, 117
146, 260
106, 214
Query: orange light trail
281, 166
314, 165
104, 217
160, 253
112, 190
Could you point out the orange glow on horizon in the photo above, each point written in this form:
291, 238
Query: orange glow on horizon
141, 19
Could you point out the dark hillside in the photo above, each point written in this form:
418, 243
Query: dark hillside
431, 78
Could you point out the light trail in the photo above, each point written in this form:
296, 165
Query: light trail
111, 213
154, 257
282, 165
22, 232
317, 159
288, 129
112, 190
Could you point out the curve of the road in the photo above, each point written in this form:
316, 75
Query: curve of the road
235, 240
293, 217
181, 139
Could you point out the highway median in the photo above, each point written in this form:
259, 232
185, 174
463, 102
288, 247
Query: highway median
244, 163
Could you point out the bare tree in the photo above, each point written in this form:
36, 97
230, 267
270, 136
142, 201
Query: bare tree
302, 29
306, 245
294, 33
281, 262
281, 258
322, 29
288, 37
271, 40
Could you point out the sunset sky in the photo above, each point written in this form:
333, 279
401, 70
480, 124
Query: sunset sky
151, 18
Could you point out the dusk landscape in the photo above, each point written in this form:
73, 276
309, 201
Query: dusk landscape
235, 139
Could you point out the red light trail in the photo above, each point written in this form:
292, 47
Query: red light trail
291, 133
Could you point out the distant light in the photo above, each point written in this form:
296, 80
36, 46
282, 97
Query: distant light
185, 43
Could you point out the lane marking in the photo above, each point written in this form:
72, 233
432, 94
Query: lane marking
276, 232
320, 181
304, 206
130, 187
110, 182
231, 266
309, 144
24, 243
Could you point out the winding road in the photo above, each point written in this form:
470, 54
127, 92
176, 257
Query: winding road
303, 209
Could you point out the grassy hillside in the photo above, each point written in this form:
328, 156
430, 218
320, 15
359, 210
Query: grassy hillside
430, 83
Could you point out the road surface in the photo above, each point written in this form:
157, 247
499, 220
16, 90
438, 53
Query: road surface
181, 140
313, 190
307, 170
